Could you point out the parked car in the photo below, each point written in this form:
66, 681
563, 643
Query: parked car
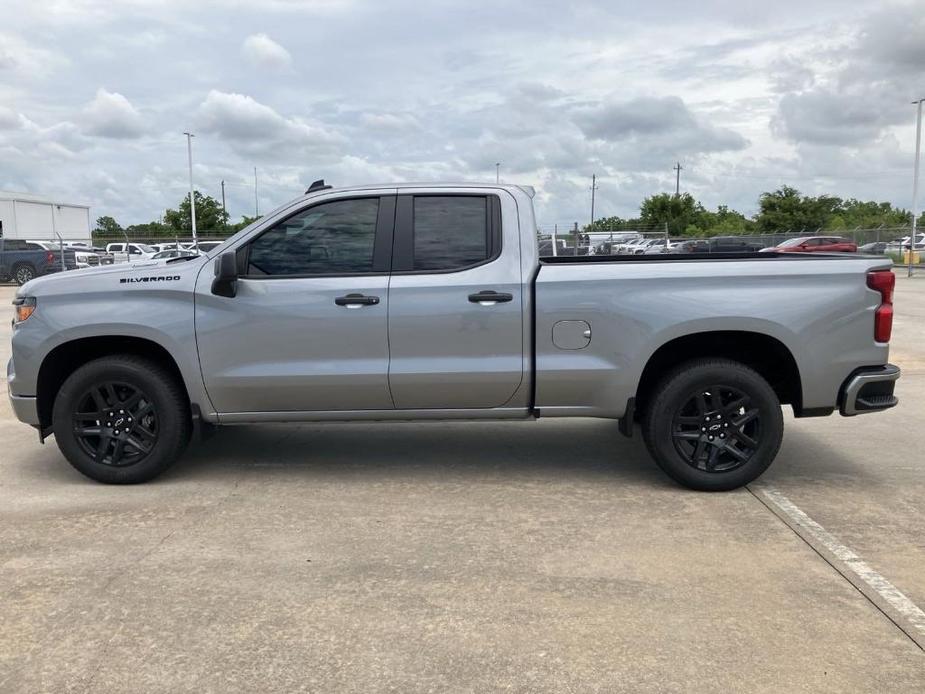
166, 246
875, 248
546, 247
203, 246
602, 240
125, 252
645, 245
732, 244
690, 246
902, 244
83, 255
23, 261
815, 244
431, 302
174, 253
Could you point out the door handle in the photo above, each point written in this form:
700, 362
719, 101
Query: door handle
356, 300
489, 297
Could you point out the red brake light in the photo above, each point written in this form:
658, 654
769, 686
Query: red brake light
883, 281
49, 257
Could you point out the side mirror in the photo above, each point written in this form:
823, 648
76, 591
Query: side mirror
226, 275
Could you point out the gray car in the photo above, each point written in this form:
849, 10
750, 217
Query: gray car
417, 302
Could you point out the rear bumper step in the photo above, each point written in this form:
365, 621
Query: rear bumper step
869, 389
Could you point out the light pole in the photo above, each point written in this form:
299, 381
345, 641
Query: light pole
498, 172
915, 181
256, 200
224, 214
593, 189
192, 197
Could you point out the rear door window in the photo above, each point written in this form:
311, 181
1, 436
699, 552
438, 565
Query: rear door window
451, 232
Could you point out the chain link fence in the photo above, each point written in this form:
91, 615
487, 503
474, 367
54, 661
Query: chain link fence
21, 260
632, 239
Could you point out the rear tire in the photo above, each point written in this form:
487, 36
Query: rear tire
23, 273
121, 419
713, 424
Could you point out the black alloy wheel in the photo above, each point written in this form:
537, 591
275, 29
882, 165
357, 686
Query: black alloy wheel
115, 423
717, 429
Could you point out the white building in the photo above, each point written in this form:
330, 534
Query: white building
26, 216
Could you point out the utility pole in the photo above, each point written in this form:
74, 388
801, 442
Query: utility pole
192, 196
677, 181
593, 188
224, 214
915, 181
256, 202
498, 172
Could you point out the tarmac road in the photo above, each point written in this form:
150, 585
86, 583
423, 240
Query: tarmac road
529, 556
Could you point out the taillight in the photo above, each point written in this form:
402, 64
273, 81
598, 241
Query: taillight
49, 257
883, 281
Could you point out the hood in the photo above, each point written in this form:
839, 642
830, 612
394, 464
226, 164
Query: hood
89, 278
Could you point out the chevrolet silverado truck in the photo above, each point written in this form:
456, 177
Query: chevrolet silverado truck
414, 302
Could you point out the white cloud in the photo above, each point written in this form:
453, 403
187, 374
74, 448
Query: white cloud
262, 51
112, 115
257, 130
747, 97
9, 119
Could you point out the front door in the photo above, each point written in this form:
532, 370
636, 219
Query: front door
455, 303
307, 329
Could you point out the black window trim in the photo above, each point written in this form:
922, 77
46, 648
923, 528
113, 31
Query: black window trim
403, 240
382, 241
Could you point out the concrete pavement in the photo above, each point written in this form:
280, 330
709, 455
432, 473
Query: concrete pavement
546, 556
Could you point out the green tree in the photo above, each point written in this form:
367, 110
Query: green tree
107, 226
605, 224
867, 215
245, 221
724, 221
682, 213
210, 218
786, 209
149, 230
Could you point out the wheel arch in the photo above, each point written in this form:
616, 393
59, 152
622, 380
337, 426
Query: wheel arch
65, 358
767, 355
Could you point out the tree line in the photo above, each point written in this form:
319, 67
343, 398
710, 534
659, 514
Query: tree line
211, 220
779, 211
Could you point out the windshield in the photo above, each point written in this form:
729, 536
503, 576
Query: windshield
790, 243
145, 248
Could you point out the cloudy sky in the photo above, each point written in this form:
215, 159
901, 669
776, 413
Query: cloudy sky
95, 96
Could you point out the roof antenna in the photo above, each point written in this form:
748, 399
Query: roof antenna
317, 185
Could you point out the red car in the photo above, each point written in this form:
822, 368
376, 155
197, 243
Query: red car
816, 244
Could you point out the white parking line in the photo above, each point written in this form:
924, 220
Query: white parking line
904, 613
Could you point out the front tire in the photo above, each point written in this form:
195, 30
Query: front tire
121, 419
23, 273
713, 425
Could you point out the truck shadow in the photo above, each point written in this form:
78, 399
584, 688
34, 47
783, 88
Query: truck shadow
577, 447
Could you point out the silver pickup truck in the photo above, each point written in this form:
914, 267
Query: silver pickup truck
406, 302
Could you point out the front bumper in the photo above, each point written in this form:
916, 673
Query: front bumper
869, 389
25, 407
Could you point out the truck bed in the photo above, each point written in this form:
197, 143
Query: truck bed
680, 257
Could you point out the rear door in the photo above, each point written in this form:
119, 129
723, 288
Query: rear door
455, 302
307, 329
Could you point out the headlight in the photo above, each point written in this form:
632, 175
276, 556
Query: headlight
24, 307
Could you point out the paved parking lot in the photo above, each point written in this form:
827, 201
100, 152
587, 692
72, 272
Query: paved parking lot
546, 556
